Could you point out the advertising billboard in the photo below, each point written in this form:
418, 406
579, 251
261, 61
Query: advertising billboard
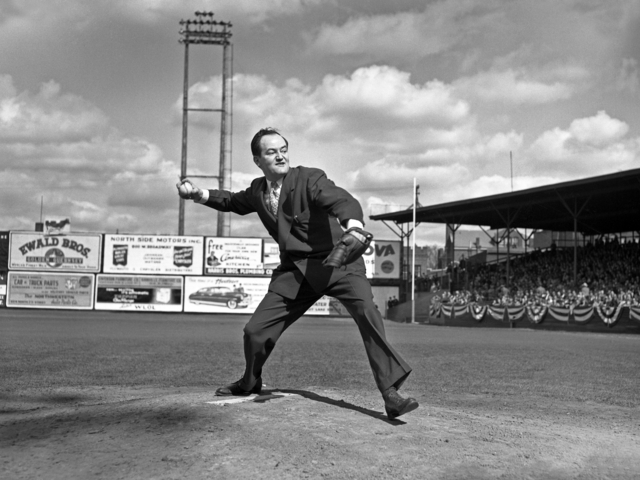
4, 251
224, 294
387, 258
233, 295
234, 256
139, 292
321, 307
50, 290
271, 253
63, 253
3, 288
153, 254
369, 258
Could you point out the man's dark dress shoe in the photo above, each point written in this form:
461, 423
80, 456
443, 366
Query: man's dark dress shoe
395, 405
235, 390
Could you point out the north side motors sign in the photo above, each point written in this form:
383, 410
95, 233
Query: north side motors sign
63, 253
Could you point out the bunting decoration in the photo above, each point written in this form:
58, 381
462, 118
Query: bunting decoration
634, 312
477, 311
515, 313
459, 310
435, 309
497, 312
609, 314
536, 313
560, 313
582, 314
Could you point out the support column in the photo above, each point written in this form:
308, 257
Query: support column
185, 113
224, 218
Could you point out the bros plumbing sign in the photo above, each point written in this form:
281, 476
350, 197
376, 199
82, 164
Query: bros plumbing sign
68, 253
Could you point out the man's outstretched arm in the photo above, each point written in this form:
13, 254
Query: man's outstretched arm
221, 200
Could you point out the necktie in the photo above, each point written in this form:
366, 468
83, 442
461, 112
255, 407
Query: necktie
274, 197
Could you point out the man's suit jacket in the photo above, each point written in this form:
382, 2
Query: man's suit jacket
307, 228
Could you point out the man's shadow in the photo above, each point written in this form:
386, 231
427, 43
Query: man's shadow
267, 395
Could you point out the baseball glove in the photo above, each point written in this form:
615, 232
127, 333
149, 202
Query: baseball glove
349, 248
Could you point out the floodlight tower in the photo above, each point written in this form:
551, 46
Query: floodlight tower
206, 31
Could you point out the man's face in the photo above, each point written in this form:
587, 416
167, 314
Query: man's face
274, 157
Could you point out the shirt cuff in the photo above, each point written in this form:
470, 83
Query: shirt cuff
352, 222
205, 197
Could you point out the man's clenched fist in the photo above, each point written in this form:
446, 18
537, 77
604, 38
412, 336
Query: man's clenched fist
188, 190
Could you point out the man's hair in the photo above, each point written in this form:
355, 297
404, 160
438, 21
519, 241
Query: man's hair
263, 132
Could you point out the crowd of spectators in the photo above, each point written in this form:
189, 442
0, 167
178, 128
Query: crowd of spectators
608, 273
427, 282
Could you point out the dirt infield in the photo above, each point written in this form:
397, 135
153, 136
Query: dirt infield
128, 397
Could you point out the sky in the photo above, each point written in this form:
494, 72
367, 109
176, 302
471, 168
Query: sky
469, 97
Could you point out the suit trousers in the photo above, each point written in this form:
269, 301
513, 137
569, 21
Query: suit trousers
275, 314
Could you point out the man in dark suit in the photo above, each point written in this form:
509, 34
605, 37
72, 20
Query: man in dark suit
307, 214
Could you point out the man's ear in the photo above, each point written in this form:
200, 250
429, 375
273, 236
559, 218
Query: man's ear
256, 161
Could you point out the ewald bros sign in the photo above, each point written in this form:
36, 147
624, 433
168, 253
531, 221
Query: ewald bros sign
35, 251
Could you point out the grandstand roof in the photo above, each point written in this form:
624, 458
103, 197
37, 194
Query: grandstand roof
603, 204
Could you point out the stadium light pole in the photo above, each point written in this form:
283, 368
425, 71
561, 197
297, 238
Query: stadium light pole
204, 30
413, 253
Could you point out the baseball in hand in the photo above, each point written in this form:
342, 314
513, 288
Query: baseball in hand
185, 189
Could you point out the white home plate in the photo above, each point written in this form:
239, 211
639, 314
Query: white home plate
251, 398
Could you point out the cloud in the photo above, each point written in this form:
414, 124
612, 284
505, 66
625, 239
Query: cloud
46, 116
505, 47
378, 36
257, 103
253, 11
628, 78
385, 176
514, 87
388, 93
104, 156
599, 130
479, 151
378, 106
437, 29
590, 145
61, 148
81, 14
241, 181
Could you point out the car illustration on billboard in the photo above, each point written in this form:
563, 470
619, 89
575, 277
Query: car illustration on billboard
231, 297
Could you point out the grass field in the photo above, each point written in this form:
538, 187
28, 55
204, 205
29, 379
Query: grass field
554, 377
45, 349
